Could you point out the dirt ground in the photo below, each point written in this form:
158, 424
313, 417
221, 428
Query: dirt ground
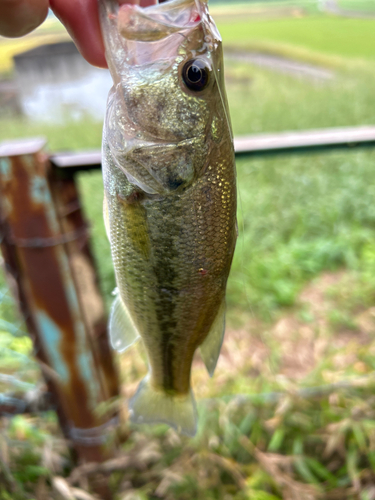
302, 341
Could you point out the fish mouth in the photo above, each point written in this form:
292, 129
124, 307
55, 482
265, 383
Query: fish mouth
156, 22
164, 27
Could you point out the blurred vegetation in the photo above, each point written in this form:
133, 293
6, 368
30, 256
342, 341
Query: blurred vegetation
301, 297
358, 5
327, 35
50, 32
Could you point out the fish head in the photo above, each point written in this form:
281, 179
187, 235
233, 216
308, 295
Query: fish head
168, 108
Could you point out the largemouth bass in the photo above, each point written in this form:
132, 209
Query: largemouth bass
170, 196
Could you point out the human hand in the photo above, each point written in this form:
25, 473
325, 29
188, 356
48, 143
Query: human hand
80, 17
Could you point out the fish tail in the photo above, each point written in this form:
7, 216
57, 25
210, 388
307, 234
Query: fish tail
151, 406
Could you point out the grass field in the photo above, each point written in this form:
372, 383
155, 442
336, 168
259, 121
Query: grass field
328, 35
301, 301
359, 5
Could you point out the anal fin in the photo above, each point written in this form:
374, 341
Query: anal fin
122, 331
210, 347
151, 406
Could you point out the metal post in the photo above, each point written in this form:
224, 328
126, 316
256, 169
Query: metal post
44, 241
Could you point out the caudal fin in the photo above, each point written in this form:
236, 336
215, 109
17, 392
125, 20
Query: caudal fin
150, 406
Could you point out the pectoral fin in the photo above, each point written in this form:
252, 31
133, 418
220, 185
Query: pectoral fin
122, 331
210, 348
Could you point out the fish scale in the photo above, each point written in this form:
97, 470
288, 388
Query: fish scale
170, 199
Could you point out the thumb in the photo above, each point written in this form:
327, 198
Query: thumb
19, 17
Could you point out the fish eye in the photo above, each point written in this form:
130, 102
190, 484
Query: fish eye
195, 74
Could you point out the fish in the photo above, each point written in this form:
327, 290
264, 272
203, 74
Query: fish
169, 196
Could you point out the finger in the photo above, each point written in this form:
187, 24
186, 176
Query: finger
146, 3
142, 3
19, 17
81, 19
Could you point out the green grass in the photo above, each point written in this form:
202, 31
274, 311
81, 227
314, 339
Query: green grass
330, 217
70, 135
328, 35
358, 5
266, 7
301, 216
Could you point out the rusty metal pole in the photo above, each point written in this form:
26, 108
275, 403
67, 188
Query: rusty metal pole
67, 203
47, 257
